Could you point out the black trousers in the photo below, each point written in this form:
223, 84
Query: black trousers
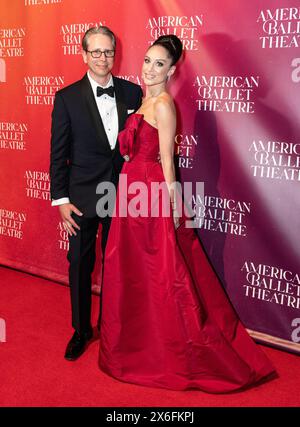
82, 257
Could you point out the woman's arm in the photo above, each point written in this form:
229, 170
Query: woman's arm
165, 115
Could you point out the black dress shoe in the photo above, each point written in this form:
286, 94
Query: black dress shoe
78, 344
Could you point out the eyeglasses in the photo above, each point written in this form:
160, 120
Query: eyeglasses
97, 53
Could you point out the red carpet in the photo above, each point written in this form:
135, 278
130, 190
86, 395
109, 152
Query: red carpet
33, 371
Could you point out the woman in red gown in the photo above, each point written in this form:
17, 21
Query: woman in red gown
166, 320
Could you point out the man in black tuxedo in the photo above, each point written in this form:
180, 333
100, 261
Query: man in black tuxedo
86, 119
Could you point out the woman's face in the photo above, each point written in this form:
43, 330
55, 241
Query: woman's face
157, 66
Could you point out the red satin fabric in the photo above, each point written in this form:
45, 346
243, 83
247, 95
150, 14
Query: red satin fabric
166, 320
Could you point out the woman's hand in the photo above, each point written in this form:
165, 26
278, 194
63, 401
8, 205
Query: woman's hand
176, 216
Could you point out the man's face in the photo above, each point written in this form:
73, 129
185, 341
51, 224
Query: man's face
100, 68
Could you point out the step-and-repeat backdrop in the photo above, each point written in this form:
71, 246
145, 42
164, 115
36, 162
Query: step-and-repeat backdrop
237, 92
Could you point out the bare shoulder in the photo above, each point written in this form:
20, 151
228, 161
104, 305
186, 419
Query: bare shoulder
164, 105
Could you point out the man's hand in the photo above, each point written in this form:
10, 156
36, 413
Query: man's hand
65, 211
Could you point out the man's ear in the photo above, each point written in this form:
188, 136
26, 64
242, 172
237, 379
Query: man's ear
84, 56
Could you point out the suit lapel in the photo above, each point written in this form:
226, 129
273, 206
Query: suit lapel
92, 108
121, 105
121, 108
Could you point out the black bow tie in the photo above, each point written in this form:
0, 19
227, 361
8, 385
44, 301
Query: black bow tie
108, 91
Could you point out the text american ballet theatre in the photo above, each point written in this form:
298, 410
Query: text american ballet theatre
281, 28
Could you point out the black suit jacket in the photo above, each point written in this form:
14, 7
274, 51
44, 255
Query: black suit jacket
81, 156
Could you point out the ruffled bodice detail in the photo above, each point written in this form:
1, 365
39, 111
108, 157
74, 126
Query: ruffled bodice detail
139, 140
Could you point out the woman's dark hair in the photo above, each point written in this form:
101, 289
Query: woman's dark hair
172, 44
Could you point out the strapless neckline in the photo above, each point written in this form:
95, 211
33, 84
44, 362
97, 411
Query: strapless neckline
142, 115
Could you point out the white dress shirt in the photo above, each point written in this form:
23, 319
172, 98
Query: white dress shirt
107, 108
